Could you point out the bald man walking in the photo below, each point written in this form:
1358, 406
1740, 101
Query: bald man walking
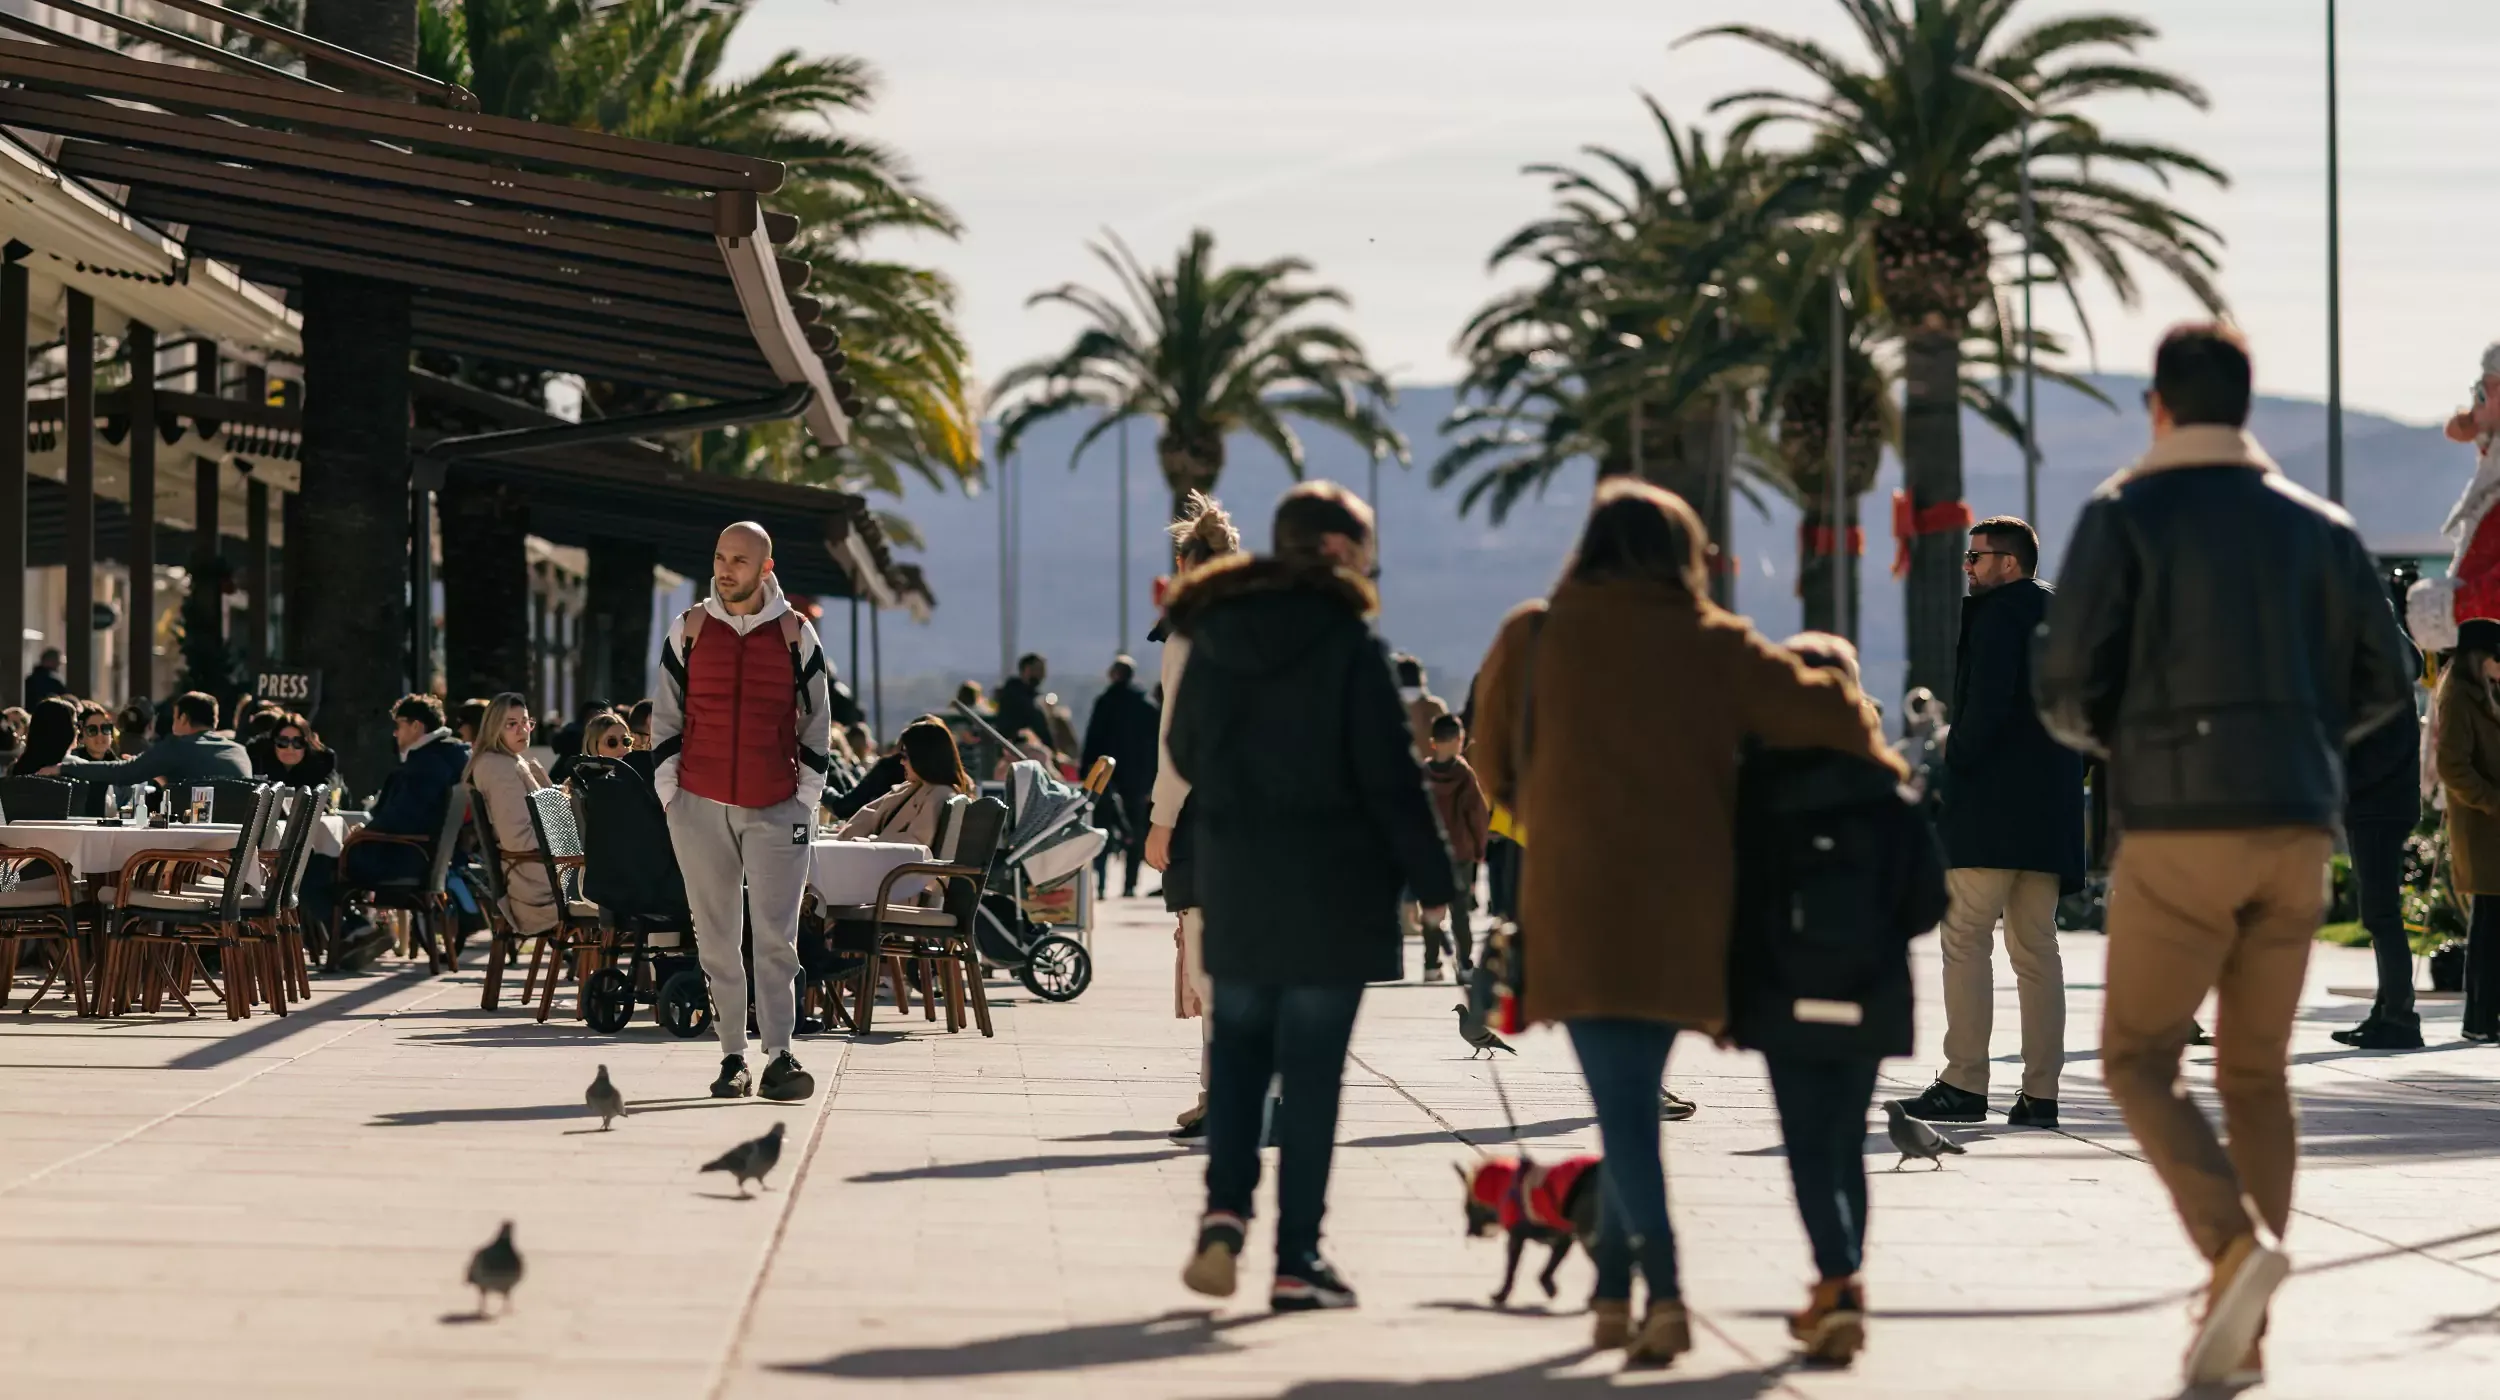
741, 727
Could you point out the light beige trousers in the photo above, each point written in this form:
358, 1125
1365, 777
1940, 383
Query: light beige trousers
2027, 902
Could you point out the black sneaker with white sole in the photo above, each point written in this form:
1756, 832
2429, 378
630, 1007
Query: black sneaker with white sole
1211, 1265
1942, 1103
734, 1082
2029, 1112
1310, 1286
785, 1081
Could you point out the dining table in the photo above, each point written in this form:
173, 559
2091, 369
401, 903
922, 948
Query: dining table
93, 848
844, 873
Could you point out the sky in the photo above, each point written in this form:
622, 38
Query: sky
1384, 141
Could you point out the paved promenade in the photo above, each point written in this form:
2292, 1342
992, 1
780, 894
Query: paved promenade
285, 1208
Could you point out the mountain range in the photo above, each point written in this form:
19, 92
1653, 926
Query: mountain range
1448, 579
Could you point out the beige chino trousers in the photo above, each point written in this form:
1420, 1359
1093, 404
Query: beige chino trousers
2027, 902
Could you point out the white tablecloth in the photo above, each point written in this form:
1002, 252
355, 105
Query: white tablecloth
332, 835
848, 872
101, 850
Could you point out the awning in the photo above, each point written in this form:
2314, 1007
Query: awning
827, 543
622, 260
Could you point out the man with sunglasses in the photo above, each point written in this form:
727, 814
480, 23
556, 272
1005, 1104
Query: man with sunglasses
196, 753
2012, 826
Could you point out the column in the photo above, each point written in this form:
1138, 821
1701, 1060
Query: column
420, 589
13, 469
139, 348
256, 573
78, 447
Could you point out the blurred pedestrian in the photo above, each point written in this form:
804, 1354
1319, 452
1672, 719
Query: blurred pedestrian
1466, 821
2013, 840
2219, 636
1629, 875
1312, 816
1126, 728
2468, 750
2382, 805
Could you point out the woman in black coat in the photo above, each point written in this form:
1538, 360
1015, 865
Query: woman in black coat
293, 754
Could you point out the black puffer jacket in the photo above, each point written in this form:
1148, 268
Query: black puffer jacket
1309, 808
2221, 636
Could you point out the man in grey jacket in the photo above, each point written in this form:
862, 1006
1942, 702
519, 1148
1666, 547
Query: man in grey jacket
742, 728
195, 753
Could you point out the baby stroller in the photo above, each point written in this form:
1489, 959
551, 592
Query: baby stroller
629, 870
1038, 911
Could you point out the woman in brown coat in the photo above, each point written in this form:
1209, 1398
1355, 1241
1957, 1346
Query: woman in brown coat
1638, 693
2467, 726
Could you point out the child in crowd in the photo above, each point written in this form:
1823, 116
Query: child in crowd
1466, 820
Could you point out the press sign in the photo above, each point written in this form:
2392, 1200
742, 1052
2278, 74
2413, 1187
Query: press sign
297, 690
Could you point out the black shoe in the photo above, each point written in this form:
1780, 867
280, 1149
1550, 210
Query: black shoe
1674, 1107
733, 1082
363, 948
2196, 1034
1942, 1103
785, 1082
2378, 1032
2029, 1112
1309, 1286
808, 1025
1195, 1130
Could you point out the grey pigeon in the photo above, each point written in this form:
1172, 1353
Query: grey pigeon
751, 1161
604, 1100
495, 1269
1477, 1034
1913, 1138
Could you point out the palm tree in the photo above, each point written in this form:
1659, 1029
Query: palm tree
1923, 155
1206, 350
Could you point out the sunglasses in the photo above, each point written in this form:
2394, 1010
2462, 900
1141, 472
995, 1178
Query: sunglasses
615, 741
104, 729
1973, 556
286, 743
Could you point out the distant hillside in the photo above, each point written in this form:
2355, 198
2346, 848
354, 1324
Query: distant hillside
1447, 580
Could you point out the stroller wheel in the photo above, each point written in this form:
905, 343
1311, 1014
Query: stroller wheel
684, 1007
608, 1000
1058, 969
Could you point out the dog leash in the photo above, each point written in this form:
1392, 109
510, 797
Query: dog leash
1504, 1095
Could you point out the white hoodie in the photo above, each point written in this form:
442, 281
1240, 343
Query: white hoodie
815, 727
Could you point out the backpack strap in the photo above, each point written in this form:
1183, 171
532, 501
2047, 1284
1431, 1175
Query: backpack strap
690, 622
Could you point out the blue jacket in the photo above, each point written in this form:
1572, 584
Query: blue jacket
411, 805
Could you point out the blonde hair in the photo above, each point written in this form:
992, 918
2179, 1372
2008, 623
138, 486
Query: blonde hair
598, 728
1203, 532
490, 729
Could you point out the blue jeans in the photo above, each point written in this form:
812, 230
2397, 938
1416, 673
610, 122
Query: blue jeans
1623, 1062
1259, 1032
1822, 1106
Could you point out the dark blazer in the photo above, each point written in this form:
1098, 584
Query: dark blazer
411, 805
184, 758
1309, 806
2013, 796
1125, 727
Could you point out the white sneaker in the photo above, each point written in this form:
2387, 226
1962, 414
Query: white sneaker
2245, 1278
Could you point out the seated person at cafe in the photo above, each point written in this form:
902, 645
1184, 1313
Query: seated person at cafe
49, 735
195, 754
430, 764
932, 772
97, 733
504, 776
293, 754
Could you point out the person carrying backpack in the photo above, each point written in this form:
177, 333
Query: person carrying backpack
1836, 872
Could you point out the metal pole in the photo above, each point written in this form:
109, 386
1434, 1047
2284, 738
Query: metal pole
876, 666
78, 452
1123, 648
1006, 618
2031, 402
1838, 507
2334, 280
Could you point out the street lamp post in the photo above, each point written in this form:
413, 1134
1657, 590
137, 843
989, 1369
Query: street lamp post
2334, 280
1838, 487
2030, 112
1123, 527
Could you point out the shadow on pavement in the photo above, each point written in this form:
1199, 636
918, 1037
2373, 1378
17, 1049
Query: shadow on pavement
273, 1029
1496, 1135
1170, 1337
1536, 1378
1121, 1135
545, 1112
1014, 1166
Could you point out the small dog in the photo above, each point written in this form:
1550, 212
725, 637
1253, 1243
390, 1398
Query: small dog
1536, 1203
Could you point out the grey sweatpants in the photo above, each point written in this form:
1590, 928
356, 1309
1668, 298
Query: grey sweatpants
745, 865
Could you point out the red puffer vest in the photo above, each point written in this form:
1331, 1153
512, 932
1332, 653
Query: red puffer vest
740, 741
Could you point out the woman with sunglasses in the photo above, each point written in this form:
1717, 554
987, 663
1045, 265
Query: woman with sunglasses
504, 776
97, 734
292, 754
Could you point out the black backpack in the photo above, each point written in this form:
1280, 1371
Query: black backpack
1836, 871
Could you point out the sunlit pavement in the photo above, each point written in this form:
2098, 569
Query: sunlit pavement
285, 1207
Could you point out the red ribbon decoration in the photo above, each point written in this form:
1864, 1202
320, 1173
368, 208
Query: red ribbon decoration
1909, 522
1817, 539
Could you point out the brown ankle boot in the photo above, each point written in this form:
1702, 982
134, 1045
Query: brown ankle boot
1833, 1326
1666, 1333
1613, 1323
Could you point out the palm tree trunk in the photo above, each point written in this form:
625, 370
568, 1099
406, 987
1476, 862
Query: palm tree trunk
486, 586
1931, 456
1189, 465
1814, 570
348, 574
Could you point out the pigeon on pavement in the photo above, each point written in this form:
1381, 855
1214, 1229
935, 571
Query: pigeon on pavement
495, 1269
1913, 1138
1477, 1034
604, 1100
751, 1161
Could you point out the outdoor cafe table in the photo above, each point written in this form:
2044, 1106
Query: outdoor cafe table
331, 838
93, 849
848, 872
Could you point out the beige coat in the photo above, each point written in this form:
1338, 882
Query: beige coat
1642, 699
504, 783
909, 813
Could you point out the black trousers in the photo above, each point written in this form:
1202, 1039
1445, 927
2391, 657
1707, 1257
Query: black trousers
2482, 967
2378, 865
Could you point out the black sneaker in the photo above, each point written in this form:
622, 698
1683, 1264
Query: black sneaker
733, 1082
2378, 1032
2196, 1034
785, 1081
362, 948
1195, 1130
2029, 1112
1674, 1107
1210, 1267
1310, 1286
1942, 1103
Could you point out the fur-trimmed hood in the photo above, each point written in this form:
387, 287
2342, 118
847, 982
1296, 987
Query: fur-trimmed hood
1258, 615
1241, 575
